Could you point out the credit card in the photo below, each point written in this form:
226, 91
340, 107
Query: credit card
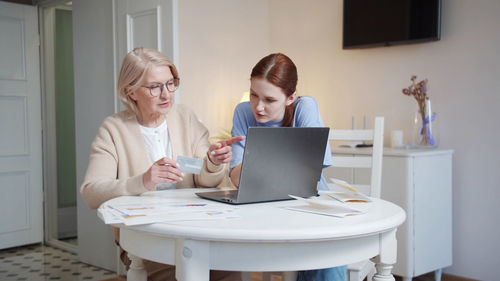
190, 165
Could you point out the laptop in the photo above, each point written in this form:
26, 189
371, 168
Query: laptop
277, 161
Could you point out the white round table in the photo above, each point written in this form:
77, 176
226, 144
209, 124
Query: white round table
267, 237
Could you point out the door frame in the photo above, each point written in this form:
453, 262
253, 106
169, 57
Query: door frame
46, 18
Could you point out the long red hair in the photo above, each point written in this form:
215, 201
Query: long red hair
279, 70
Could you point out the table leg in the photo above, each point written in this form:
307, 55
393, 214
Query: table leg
192, 260
387, 258
383, 272
290, 275
246, 276
437, 274
137, 271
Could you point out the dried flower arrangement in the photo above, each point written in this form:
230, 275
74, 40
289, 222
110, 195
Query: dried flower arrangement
419, 91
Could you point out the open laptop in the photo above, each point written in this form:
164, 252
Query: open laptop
277, 161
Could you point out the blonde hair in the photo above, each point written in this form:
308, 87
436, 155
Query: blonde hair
135, 65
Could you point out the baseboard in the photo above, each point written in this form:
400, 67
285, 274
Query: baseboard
449, 277
445, 277
257, 276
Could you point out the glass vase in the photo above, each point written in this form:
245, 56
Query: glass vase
425, 132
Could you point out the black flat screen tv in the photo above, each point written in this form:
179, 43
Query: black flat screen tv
372, 23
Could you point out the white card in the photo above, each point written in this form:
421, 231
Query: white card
190, 165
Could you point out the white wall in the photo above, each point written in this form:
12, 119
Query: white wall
219, 41
94, 101
463, 69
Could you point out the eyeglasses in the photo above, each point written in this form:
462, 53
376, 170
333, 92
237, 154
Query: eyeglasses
157, 90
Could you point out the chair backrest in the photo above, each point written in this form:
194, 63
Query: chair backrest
375, 135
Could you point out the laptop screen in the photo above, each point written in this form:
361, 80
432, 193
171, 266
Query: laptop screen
278, 161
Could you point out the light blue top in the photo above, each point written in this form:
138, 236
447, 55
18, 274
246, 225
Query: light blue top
306, 115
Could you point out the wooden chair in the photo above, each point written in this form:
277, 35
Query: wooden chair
358, 271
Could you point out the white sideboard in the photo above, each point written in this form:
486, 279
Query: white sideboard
420, 181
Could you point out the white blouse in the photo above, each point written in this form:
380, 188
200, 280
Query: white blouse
158, 146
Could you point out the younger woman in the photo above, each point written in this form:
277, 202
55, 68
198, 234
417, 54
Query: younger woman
274, 103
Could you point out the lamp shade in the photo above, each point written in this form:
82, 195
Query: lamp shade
245, 97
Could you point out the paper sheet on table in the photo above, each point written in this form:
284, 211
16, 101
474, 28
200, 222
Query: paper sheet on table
324, 207
350, 194
179, 217
107, 216
141, 210
349, 197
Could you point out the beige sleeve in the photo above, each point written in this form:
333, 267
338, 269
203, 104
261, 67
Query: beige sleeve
101, 181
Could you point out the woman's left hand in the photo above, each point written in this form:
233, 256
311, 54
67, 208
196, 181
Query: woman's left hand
221, 152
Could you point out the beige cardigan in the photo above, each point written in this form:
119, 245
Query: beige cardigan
118, 157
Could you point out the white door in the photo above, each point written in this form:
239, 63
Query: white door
21, 183
97, 61
146, 23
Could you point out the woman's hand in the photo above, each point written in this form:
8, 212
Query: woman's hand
221, 152
164, 170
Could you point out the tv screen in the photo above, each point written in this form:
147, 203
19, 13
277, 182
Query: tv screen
371, 23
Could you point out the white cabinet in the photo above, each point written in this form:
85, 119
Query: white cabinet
420, 181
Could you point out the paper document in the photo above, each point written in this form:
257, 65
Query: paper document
144, 211
343, 184
324, 207
350, 195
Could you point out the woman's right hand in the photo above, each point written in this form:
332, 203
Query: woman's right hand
164, 170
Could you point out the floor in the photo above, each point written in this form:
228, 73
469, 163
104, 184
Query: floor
39, 262
73, 241
258, 277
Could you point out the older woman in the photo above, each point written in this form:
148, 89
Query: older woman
135, 150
